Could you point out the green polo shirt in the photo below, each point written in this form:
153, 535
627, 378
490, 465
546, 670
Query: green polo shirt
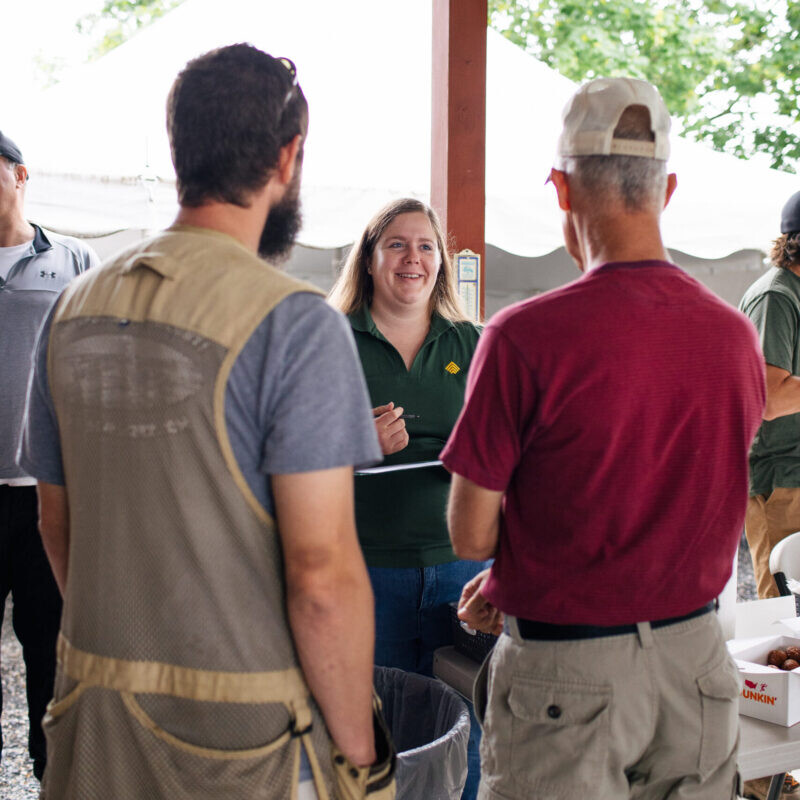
773, 304
401, 515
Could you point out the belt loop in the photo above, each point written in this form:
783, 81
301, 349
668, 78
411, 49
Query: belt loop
645, 634
512, 629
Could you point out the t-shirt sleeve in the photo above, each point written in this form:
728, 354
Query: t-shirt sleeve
775, 319
312, 406
39, 452
90, 259
486, 443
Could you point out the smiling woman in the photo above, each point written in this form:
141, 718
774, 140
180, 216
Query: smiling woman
355, 287
398, 289
404, 268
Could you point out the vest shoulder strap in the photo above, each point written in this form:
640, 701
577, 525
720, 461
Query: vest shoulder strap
195, 279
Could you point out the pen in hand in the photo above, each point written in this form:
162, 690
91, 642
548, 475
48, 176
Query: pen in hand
409, 416
390, 425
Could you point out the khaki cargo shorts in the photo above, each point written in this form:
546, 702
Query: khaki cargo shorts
644, 715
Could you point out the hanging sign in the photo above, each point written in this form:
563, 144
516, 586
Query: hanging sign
468, 267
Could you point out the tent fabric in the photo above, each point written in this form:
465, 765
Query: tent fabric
365, 66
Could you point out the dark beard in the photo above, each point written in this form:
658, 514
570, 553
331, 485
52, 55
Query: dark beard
282, 225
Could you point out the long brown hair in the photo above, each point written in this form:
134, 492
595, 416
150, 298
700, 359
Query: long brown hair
353, 288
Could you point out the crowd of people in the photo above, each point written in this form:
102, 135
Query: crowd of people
190, 419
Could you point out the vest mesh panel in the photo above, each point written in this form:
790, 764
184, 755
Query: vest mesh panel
110, 754
171, 564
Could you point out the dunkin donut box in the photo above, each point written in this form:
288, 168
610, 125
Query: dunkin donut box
769, 694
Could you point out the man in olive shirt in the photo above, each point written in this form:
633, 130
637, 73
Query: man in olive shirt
773, 304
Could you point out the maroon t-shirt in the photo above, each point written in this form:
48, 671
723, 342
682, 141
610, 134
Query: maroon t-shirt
616, 414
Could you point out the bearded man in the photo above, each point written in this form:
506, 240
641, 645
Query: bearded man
194, 419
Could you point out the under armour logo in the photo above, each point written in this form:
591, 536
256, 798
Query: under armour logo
45, 274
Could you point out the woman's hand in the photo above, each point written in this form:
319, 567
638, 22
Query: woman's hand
476, 610
392, 433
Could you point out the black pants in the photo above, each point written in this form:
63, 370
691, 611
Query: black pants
26, 573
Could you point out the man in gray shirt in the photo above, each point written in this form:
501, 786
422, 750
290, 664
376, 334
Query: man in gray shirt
34, 267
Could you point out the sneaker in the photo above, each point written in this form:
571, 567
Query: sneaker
759, 788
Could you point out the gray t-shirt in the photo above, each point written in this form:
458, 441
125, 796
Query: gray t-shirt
773, 305
27, 292
296, 400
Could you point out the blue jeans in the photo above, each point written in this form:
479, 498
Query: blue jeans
412, 619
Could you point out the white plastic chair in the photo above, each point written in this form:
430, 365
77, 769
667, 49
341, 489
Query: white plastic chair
784, 562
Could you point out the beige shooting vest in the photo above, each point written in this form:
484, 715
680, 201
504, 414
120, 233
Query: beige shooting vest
177, 673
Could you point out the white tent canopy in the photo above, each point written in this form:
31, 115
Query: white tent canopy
97, 146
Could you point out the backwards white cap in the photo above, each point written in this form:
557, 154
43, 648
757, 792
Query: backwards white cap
593, 112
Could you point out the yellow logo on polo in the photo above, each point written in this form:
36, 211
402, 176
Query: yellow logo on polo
453, 368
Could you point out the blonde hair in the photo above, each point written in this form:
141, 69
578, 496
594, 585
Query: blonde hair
353, 288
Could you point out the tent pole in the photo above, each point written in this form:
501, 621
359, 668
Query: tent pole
458, 140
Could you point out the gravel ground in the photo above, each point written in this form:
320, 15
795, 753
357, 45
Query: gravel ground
16, 774
16, 778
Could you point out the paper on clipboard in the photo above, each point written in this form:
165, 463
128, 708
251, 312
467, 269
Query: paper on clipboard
397, 467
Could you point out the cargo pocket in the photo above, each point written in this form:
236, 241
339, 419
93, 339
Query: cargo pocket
59, 725
147, 722
57, 708
375, 782
559, 734
58, 714
719, 688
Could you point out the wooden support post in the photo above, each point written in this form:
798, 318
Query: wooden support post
458, 142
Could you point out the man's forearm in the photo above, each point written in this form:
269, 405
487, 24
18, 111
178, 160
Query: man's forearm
473, 519
54, 529
333, 625
783, 398
56, 546
329, 601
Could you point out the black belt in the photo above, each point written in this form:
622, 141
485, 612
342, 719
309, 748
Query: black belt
544, 631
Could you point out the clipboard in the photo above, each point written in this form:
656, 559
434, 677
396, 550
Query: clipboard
398, 467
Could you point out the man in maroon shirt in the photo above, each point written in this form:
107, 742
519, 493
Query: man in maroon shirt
601, 458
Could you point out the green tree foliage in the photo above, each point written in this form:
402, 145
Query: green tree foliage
730, 71
118, 20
